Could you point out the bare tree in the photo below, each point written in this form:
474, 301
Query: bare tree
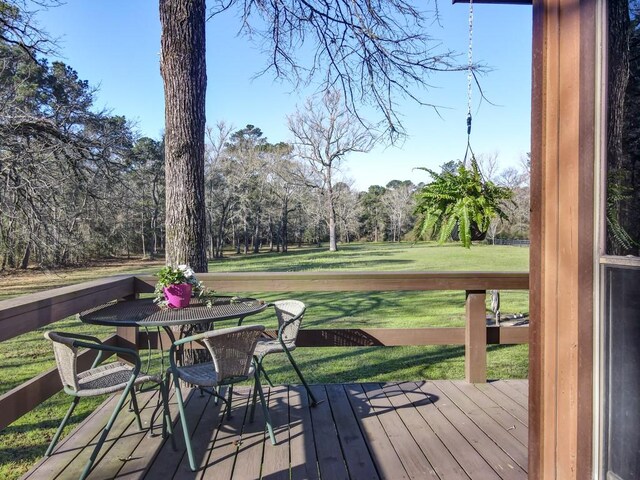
399, 200
286, 191
325, 132
370, 50
220, 192
18, 26
488, 165
347, 212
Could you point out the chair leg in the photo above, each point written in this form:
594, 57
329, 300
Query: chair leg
314, 402
265, 407
72, 407
253, 401
167, 382
166, 413
264, 372
105, 431
136, 410
161, 405
183, 419
229, 402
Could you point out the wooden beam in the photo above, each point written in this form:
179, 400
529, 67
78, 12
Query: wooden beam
128, 336
475, 359
27, 396
562, 243
29, 312
372, 337
351, 281
495, 2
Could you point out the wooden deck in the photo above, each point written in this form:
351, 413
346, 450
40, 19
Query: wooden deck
432, 429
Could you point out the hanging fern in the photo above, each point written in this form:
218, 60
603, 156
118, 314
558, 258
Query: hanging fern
458, 198
617, 195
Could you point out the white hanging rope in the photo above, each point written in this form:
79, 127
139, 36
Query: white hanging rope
469, 85
470, 66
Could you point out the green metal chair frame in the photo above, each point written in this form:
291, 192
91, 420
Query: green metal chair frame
99, 380
232, 352
290, 314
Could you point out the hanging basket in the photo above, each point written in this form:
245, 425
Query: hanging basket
178, 296
476, 234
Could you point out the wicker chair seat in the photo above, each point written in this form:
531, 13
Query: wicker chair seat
202, 374
109, 378
265, 347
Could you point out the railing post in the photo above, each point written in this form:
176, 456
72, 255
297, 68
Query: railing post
128, 336
475, 339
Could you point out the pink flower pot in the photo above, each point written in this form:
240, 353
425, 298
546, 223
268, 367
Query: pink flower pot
178, 296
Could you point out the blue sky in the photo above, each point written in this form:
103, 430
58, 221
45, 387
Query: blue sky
115, 44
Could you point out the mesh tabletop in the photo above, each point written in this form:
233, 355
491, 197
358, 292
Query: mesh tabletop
145, 313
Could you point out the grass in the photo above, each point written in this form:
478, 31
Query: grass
24, 442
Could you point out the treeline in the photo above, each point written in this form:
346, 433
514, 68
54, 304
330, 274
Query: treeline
78, 184
259, 195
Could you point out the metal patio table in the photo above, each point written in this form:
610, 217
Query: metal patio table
145, 313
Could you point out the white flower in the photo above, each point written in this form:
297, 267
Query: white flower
187, 271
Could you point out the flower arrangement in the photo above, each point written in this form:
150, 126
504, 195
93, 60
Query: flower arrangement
182, 275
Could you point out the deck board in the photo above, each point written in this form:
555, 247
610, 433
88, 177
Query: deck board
380, 447
470, 460
501, 437
330, 459
503, 465
436, 452
359, 462
304, 462
415, 463
275, 463
429, 429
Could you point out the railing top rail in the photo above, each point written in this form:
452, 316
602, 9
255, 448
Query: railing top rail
353, 281
26, 313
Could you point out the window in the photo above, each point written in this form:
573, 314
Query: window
620, 265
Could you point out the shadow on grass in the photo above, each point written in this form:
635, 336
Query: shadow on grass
353, 257
360, 370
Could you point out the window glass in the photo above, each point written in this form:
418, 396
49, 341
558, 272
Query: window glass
622, 374
623, 128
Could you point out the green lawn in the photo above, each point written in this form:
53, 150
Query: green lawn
24, 442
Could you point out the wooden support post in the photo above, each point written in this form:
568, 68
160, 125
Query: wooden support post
475, 358
127, 336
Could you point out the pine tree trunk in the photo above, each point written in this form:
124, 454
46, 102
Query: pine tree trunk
183, 69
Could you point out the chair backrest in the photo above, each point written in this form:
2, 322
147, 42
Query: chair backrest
66, 355
289, 313
232, 349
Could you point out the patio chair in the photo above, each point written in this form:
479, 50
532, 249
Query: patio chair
99, 380
289, 313
232, 352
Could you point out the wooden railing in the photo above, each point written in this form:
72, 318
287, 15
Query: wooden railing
24, 314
